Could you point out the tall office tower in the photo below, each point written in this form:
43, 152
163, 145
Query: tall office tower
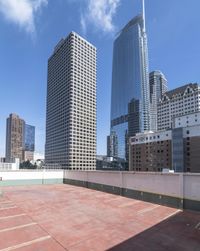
178, 102
14, 137
71, 105
29, 138
111, 145
130, 100
29, 142
158, 86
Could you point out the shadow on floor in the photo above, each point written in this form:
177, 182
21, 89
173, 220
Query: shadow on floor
177, 233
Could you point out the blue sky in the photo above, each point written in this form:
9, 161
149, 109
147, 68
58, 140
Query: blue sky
29, 30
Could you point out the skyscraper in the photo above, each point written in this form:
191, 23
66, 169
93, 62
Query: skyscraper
130, 100
29, 138
14, 137
29, 142
71, 105
20, 139
158, 86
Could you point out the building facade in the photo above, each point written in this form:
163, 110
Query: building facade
130, 85
178, 102
110, 164
191, 119
150, 151
29, 142
112, 145
158, 86
13, 164
20, 139
14, 137
177, 149
71, 105
28, 155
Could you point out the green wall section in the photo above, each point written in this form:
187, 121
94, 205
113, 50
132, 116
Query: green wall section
139, 195
191, 204
30, 182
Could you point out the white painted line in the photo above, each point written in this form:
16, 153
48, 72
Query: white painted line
17, 227
5, 201
129, 203
25, 244
198, 226
148, 209
8, 207
172, 214
11, 216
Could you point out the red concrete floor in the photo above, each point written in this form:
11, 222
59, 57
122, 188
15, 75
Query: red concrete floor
64, 217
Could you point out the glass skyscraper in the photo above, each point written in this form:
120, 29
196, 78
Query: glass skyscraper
29, 138
130, 100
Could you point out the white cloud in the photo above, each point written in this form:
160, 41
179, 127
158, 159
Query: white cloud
22, 12
83, 24
100, 13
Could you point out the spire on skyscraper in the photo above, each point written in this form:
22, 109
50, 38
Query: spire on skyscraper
143, 15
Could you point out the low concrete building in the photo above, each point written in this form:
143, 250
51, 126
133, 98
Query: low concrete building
13, 165
28, 155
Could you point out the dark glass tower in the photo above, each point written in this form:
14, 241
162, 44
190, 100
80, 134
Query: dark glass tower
130, 101
29, 139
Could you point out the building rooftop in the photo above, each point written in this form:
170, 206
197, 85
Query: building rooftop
181, 89
132, 22
64, 217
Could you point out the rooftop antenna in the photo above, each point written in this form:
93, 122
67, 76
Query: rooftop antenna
143, 15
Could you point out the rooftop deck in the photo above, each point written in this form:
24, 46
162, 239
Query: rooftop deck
64, 217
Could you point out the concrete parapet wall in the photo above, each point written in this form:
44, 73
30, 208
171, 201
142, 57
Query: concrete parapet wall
191, 186
181, 190
166, 184
176, 189
24, 177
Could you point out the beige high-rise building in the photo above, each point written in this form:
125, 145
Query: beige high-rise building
71, 105
157, 86
14, 137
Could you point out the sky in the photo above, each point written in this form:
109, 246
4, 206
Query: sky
30, 29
